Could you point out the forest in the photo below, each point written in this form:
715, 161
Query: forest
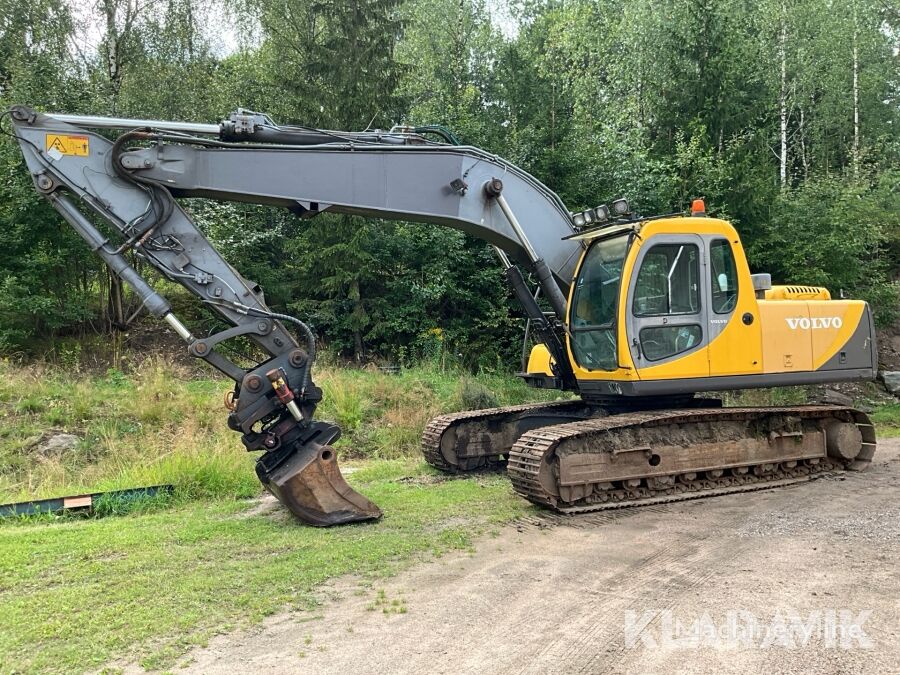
781, 114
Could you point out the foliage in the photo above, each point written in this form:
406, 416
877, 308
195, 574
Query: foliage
850, 223
158, 425
661, 102
887, 418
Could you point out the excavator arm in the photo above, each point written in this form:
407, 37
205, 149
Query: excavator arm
130, 184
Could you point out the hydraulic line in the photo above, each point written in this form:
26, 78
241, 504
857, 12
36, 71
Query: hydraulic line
159, 196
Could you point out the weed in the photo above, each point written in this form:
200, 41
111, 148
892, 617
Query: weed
887, 420
473, 395
385, 604
30, 404
762, 397
120, 505
152, 426
116, 377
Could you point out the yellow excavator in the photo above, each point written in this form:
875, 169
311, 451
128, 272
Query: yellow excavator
643, 313
661, 309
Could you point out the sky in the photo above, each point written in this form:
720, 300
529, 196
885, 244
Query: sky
219, 25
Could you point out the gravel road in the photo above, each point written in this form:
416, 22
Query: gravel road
798, 579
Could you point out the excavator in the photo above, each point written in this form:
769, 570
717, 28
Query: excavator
634, 316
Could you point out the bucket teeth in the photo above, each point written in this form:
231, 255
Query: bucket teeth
309, 483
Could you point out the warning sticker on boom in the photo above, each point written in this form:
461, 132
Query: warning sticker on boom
66, 144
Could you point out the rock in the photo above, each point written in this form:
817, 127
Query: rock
55, 444
834, 397
891, 379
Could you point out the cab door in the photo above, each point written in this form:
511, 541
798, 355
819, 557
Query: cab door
735, 334
667, 326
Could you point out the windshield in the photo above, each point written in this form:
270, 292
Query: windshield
594, 303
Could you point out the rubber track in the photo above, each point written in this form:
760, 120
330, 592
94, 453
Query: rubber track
431, 437
533, 447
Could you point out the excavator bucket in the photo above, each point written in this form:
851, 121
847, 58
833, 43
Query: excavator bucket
309, 483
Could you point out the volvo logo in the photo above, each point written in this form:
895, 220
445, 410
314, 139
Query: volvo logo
805, 323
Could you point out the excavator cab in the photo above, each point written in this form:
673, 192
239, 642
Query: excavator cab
668, 307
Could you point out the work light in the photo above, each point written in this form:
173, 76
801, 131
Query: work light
620, 207
601, 213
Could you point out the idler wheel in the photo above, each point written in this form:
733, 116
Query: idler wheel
843, 440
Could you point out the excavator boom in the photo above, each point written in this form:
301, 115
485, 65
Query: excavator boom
130, 184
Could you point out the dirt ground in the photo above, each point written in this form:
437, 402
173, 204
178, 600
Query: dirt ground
630, 591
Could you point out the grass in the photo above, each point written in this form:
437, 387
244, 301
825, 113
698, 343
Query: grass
887, 420
158, 425
165, 574
149, 580
78, 593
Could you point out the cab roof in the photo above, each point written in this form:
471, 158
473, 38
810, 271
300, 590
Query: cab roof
666, 224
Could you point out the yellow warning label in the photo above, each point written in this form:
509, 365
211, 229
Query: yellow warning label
66, 144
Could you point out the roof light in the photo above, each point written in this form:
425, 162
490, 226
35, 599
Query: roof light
588, 216
698, 208
620, 207
578, 219
601, 213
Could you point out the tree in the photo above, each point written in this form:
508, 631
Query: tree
45, 270
781, 113
337, 60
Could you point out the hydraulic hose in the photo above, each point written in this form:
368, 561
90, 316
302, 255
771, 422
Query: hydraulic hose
159, 196
307, 333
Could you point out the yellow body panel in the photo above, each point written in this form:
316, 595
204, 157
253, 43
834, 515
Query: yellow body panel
785, 350
803, 335
827, 336
539, 360
795, 329
694, 364
797, 293
738, 349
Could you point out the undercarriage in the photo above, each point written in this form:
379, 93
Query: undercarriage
573, 457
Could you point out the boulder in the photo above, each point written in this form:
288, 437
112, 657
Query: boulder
56, 444
891, 379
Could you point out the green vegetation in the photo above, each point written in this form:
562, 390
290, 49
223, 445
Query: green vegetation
159, 426
163, 575
78, 593
782, 115
887, 420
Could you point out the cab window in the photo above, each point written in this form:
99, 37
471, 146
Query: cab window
661, 342
594, 301
724, 277
668, 281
